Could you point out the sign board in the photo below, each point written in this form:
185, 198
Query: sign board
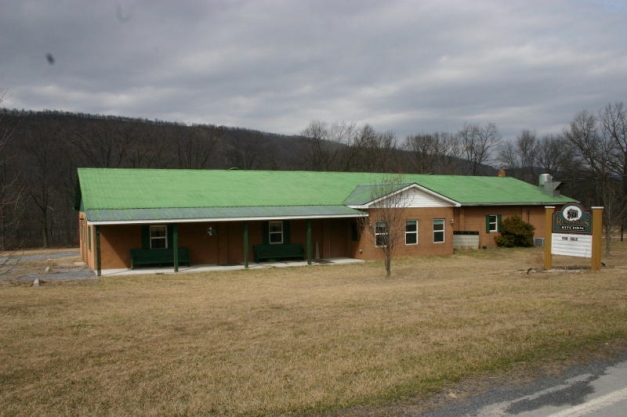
572, 219
572, 232
572, 245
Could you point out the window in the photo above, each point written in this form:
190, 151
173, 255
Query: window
380, 234
411, 232
438, 230
275, 233
158, 237
492, 223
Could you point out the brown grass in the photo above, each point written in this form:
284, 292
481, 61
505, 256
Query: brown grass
297, 341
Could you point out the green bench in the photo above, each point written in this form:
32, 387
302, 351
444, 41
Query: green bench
157, 257
278, 252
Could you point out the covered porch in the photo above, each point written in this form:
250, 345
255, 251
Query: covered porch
220, 242
235, 267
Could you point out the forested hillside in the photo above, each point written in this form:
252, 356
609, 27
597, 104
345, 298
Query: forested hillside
40, 151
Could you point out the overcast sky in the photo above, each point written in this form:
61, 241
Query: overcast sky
406, 66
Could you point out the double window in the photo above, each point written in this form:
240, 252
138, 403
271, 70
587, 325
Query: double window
158, 237
438, 230
411, 232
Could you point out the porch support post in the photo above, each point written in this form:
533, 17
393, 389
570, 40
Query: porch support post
246, 245
597, 240
308, 241
175, 244
98, 255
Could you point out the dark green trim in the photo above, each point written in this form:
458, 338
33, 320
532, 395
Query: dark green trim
287, 233
308, 241
98, 257
145, 236
265, 233
175, 246
246, 245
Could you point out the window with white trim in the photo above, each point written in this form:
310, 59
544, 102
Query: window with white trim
438, 230
492, 223
158, 237
275, 233
411, 232
381, 234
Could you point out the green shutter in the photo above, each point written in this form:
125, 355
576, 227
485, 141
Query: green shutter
265, 231
286, 232
145, 237
487, 223
499, 219
170, 236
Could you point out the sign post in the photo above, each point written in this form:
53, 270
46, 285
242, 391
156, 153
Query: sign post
548, 227
573, 232
597, 231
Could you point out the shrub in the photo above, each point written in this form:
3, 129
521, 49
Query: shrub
515, 233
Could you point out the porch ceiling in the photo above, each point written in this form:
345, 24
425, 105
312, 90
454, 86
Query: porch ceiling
213, 214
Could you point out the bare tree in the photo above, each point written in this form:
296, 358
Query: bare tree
105, 144
435, 153
422, 149
45, 150
11, 191
554, 156
194, 146
386, 218
477, 142
320, 153
613, 119
374, 151
520, 156
596, 154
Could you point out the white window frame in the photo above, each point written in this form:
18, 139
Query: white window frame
439, 222
494, 223
411, 232
154, 237
278, 232
381, 231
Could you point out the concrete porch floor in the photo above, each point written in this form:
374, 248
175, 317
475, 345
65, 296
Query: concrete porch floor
210, 268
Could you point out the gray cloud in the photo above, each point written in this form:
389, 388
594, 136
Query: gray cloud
406, 66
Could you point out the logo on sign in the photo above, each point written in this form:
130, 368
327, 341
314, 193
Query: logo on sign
572, 219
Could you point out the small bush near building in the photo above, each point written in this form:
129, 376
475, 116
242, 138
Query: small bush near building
515, 233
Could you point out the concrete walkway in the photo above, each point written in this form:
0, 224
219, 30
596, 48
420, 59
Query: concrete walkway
210, 268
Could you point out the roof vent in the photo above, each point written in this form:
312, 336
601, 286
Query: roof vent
548, 186
544, 178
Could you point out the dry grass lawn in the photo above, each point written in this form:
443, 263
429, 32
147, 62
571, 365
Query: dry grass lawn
297, 341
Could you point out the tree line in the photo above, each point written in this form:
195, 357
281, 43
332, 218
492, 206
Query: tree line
40, 151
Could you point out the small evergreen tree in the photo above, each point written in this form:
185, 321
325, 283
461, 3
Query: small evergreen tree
515, 233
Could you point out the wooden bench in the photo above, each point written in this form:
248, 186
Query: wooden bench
277, 252
158, 257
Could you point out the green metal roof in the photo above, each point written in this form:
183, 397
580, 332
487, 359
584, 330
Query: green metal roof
184, 194
364, 194
218, 213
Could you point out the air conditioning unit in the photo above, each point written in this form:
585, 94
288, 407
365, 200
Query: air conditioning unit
538, 241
